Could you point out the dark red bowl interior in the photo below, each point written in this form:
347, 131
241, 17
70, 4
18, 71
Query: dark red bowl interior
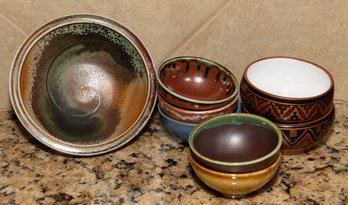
196, 80
236, 143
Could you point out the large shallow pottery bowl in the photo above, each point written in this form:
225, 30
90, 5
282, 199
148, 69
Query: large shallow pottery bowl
176, 128
195, 83
236, 143
287, 90
195, 116
232, 184
83, 85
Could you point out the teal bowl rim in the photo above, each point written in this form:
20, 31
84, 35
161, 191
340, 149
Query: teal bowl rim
207, 62
226, 117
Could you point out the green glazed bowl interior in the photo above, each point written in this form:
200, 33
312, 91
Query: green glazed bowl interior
83, 84
240, 166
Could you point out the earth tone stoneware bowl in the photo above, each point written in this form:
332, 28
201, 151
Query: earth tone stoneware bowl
287, 90
236, 143
176, 128
231, 184
83, 84
301, 137
195, 83
195, 116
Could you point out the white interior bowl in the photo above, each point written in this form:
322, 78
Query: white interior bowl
289, 77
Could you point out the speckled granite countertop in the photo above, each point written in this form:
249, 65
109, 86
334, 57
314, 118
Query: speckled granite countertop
154, 169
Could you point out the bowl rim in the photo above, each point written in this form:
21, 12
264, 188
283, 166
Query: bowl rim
45, 137
330, 89
206, 61
195, 116
274, 164
162, 113
227, 117
197, 112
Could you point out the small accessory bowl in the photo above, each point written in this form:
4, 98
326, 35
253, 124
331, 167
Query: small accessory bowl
236, 143
176, 128
234, 185
195, 83
195, 116
83, 84
287, 90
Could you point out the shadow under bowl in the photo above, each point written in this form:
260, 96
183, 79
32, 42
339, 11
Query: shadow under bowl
236, 143
176, 128
195, 116
195, 83
83, 84
287, 90
234, 185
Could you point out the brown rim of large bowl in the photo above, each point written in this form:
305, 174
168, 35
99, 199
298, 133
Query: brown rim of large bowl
283, 98
45, 137
208, 62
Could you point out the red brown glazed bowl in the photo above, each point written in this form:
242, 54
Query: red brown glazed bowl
195, 116
194, 83
236, 143
287, 90
83, 84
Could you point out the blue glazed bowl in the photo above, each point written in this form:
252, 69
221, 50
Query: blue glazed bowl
176, 128
180, 129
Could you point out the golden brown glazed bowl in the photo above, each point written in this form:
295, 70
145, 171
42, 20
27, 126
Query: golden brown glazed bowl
231, 184
195, 83
195, 116
287, 90
83, 84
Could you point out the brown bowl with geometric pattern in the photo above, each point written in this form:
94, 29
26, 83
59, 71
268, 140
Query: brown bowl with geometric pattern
287, 90
302, 137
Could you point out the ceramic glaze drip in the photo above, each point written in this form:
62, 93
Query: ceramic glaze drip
289, 77
235, 143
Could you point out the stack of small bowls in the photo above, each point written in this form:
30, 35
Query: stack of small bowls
191, 90
236, 153
295, 94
